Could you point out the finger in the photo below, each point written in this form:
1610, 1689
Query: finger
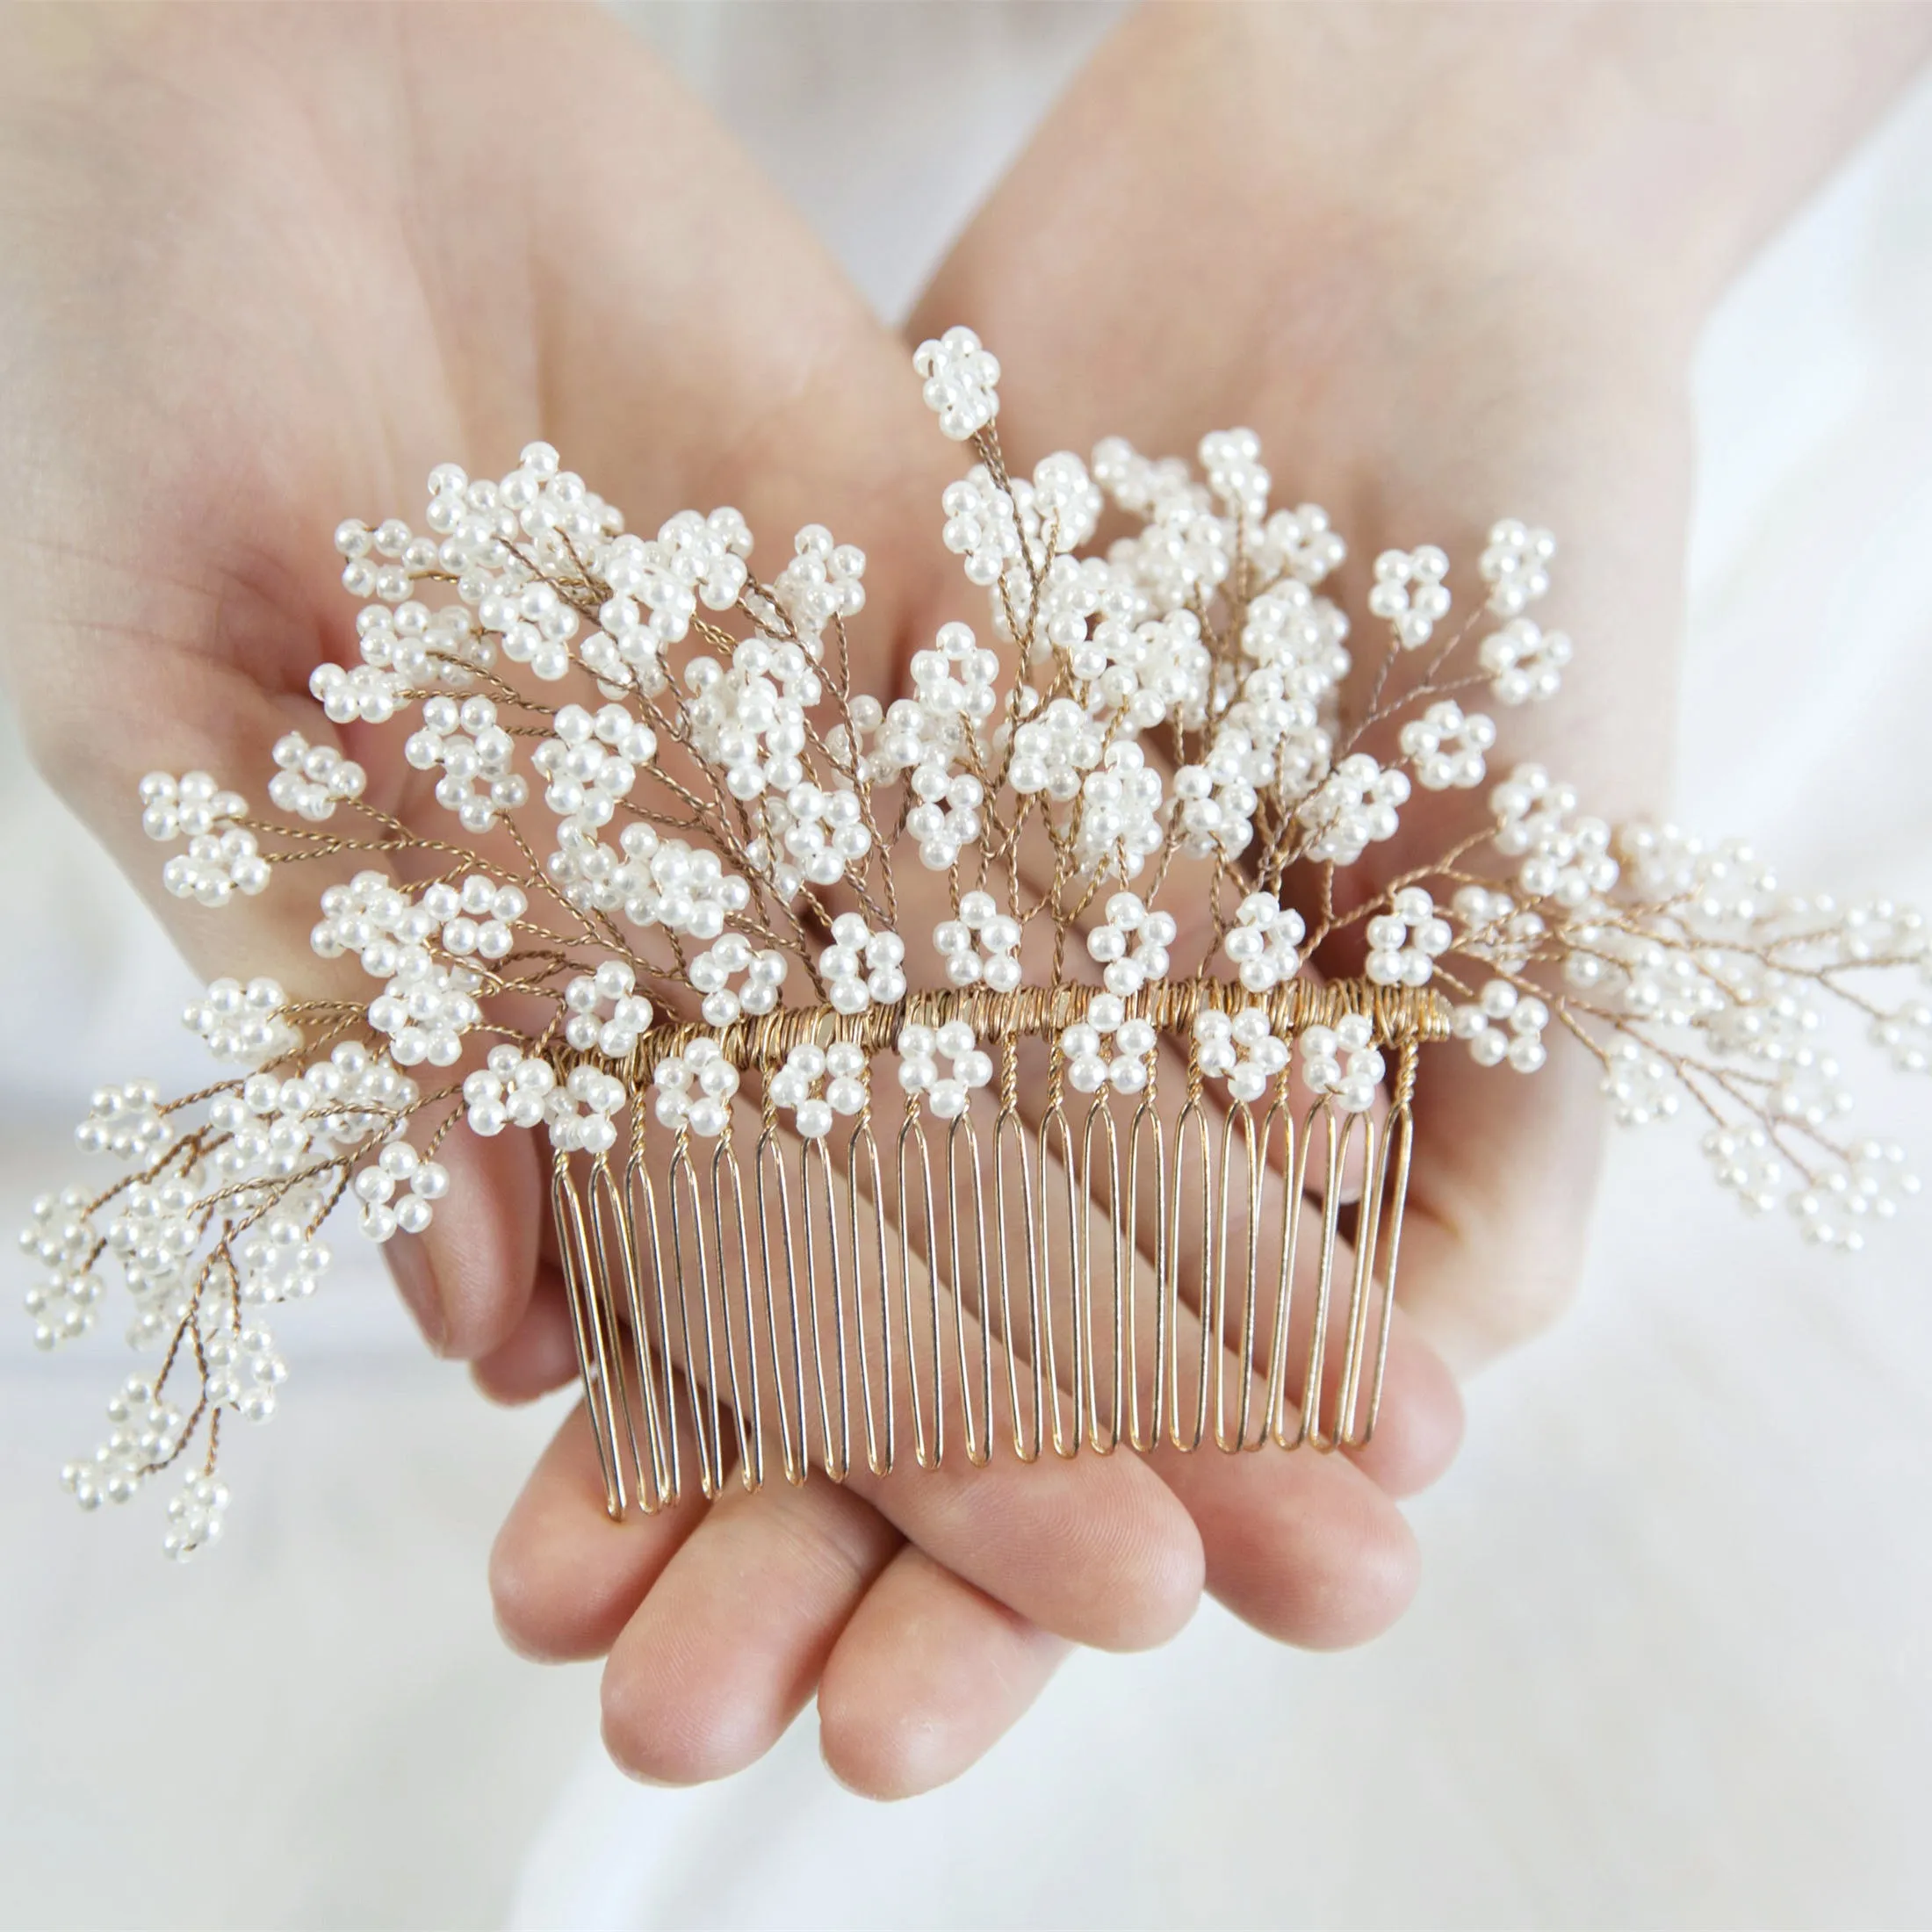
564, 1578
927, 1675
1421, 1423
1420, 1428
539, 1354
815, 421
1093, 1549
1499, 1200
1225, 1249
1307, 1548
728, 1645
468, 1278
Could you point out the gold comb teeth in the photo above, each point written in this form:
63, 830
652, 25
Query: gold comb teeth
921, 1288
1135, 1174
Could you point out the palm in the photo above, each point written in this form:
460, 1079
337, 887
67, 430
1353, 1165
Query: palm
311, 260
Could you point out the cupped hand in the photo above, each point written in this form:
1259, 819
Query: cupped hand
265, 268
1330, 225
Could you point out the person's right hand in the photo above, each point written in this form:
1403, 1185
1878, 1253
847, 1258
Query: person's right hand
261, 269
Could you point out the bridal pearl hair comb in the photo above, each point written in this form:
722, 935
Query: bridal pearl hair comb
949, 1076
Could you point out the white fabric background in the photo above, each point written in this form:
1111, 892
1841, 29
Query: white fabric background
1671, 1663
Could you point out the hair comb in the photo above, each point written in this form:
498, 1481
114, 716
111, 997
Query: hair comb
946, 1076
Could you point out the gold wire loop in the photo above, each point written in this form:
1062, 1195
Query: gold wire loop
1205, 1281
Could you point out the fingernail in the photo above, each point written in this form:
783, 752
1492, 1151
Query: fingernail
416, 1283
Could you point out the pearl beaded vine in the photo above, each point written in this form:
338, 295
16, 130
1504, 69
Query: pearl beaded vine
680, 890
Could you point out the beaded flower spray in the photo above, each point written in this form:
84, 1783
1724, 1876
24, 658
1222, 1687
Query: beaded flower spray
1143, 1174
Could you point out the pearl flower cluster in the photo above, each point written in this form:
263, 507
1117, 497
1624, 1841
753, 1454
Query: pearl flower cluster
581, 1113
312, 780
1872, 1185
272, 1123
1405, 942
152, 1237
195, 1514
1640, 1084
1565, 853
1015, 541
920, 1048
1744, 1161
511, 1088
1230, 460
1353, 809
1516, 565
1149, 672
606, 1014
399, 1165
1526, 663
658, 883
144, 1432
222, 858
60, 1238
426, 1009
959, 376
1494, 930
817, 1084
1504, 1025
946, 817
1410, 592
344, 1098
823, 582
1217, 802
656, 587
405, 650
1120, 814
694, 1089
1243, 1050
1053, 748
1263, 947
282, 1260
713, 971
982, 525
1108, 1048
591, 763
123, 1121
1131, 945
1446, 747
980, 946
1906, 1035
241, 1023
861, 968
369, 692
242, 1370
823, 832
477, 918
1342, 1061
1301, 543
1186, 548
473, 751
954, 687
189, 807
750, 718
